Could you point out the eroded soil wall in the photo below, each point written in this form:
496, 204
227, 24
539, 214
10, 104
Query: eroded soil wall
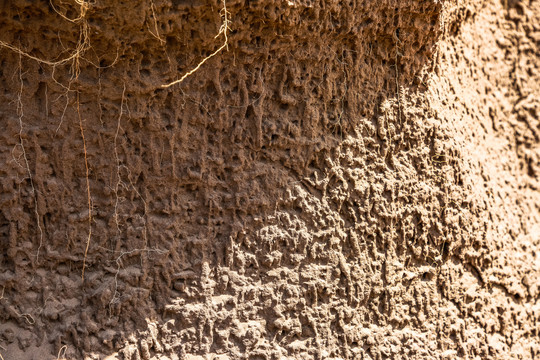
343, 180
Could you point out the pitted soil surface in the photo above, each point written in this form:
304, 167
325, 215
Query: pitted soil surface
344, 180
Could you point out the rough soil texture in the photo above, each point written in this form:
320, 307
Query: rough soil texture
347, 180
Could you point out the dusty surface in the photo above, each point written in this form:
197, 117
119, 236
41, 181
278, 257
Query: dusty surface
347, 180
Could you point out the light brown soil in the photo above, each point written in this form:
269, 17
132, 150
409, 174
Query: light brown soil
346, 180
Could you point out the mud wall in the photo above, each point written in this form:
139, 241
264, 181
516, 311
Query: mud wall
344, 180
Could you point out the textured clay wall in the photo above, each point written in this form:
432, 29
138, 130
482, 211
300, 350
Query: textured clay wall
342, 180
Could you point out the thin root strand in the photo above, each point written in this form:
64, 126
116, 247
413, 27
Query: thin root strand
87, 188
222, 31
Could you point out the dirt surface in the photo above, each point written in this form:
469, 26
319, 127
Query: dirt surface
342, 180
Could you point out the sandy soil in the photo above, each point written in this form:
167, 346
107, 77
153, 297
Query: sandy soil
342, 180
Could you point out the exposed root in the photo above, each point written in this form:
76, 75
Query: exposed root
156, 35
20, 113
69, 88
222, 31
84, 6
27, 317
119, 181
66, 94
116, 294
87, 188
121, 184
84, 39
62, 353
119, 167
74, 56
145, 208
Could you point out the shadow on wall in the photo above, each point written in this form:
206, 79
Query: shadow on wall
250, 211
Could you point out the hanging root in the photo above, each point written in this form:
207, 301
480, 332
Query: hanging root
87, 188
222, 30
119, 181
20, 114
74, 56
84, 6
116, 294
156, 29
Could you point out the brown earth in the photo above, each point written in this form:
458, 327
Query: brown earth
343, 180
